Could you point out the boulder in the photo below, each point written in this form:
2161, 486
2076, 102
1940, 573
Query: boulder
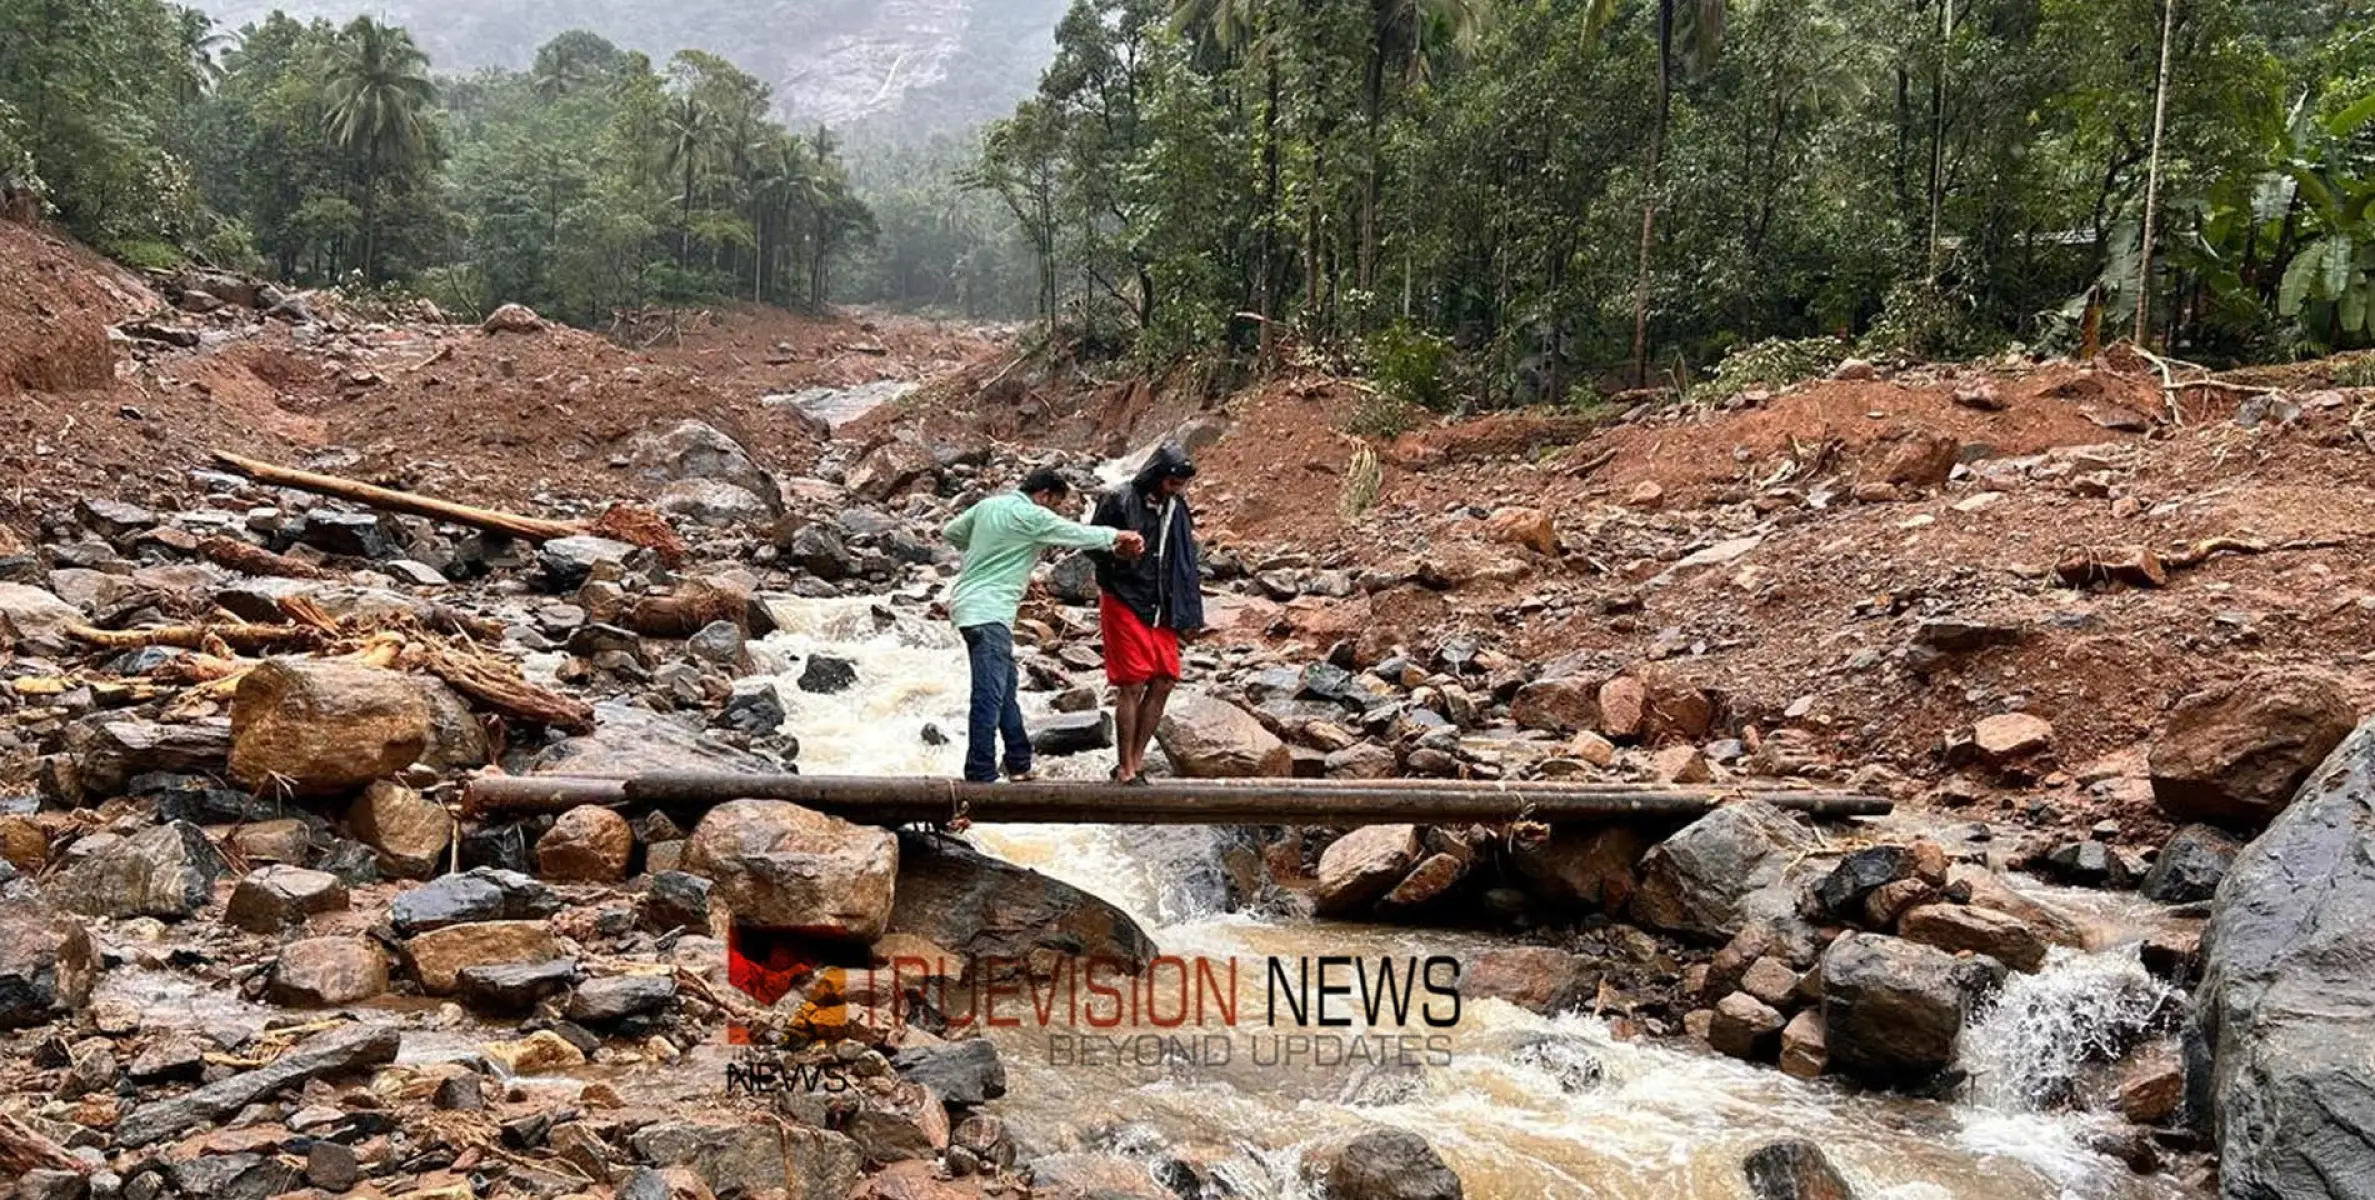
1745, 1027
1794, 1169
828, 675
2007, 738
319, 727
1389, 1164
1958, 927
407, 831
1529, 528
2286, 1008
1561, 705
2191, 866
1579, 867
615, 999
274, 899
166, 871
817, 548
1861, 873
478, 894
1539, 979
1624, 708
755, 1158
1356, 870
28, 613
328, 971
1006, 920
1694, 882
1893, 1010
1804, 1053
964, 1073
1206, 737
567, 562
587, 844
104, 752
694, 450
1362, 760
713, 502
512, 318
47, 965
1073, 579
783, 867
674, 900
2235, 755
629, 739
889, 469
1073, 733
439, 956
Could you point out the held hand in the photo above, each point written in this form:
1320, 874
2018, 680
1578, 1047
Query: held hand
1128, 544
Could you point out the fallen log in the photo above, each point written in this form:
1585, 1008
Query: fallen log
909, 800
201, 637
498, 685
2141, 566
622, 522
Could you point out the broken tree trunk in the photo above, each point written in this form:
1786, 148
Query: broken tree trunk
621, 522
498, 685
906, 800
201, 637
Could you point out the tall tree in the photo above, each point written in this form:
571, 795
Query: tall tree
379, 94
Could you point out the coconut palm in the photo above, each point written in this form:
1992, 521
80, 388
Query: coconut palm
377, 91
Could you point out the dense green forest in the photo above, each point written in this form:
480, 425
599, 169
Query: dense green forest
591, 182
1541, 192
1495, 200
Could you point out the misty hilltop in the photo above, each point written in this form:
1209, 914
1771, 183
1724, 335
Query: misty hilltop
920, 64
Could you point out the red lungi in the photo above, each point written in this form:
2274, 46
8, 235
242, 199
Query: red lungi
1135, 652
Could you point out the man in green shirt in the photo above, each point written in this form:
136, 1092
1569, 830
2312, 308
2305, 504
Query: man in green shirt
1003, 538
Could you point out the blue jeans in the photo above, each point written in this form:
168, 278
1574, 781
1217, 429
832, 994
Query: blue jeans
997, 706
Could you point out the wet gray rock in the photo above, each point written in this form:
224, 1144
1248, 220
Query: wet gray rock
1860, 874
629, 739
513, 987
962, 1073
346, 534
1073, 733
1794, 1169
674, 900
2286, 1008
1389, 1164
47, 965
613, 999
324, 1055
167, 871
828, 675
1073, 579
103, 752
234, 1176
754, 708
2190, 866
817, 548
1697, 881
1003, 916
479, 894
2234, 755
1892, 1010
720, 643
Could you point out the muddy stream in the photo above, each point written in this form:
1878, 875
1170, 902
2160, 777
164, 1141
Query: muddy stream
1526, 1106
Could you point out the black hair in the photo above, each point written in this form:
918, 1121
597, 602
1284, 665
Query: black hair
1045, 479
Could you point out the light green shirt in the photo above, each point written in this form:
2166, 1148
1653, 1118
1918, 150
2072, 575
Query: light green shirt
1002, 538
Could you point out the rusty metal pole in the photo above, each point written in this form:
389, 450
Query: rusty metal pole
905, 800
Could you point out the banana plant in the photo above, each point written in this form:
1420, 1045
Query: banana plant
2329, 286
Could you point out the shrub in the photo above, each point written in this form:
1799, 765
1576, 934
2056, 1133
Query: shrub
1410, 365
1772, 363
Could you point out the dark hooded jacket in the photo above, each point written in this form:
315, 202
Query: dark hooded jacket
1163, 585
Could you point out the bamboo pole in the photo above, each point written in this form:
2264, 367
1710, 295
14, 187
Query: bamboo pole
905, 800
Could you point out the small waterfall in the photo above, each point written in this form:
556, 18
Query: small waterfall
2026, 1051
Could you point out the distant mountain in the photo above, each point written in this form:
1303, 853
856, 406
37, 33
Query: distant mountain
923, 65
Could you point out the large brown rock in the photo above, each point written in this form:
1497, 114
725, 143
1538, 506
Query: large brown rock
1583, 868
1206, 737
1363, 865
1389, 1164
324, 728
781, 866
407, 830
47, 965
1530, 528
439, 956
2234, 755
329, 971
1539, 979
589, 844
1562, 705
1958, 927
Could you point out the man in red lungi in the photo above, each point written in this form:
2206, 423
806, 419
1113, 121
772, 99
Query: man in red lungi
1146, 604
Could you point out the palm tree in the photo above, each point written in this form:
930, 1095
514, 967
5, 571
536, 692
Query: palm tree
785, 183
1405, 39
202, 47
689, 128
1241, 28
378, 93
1698, 25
